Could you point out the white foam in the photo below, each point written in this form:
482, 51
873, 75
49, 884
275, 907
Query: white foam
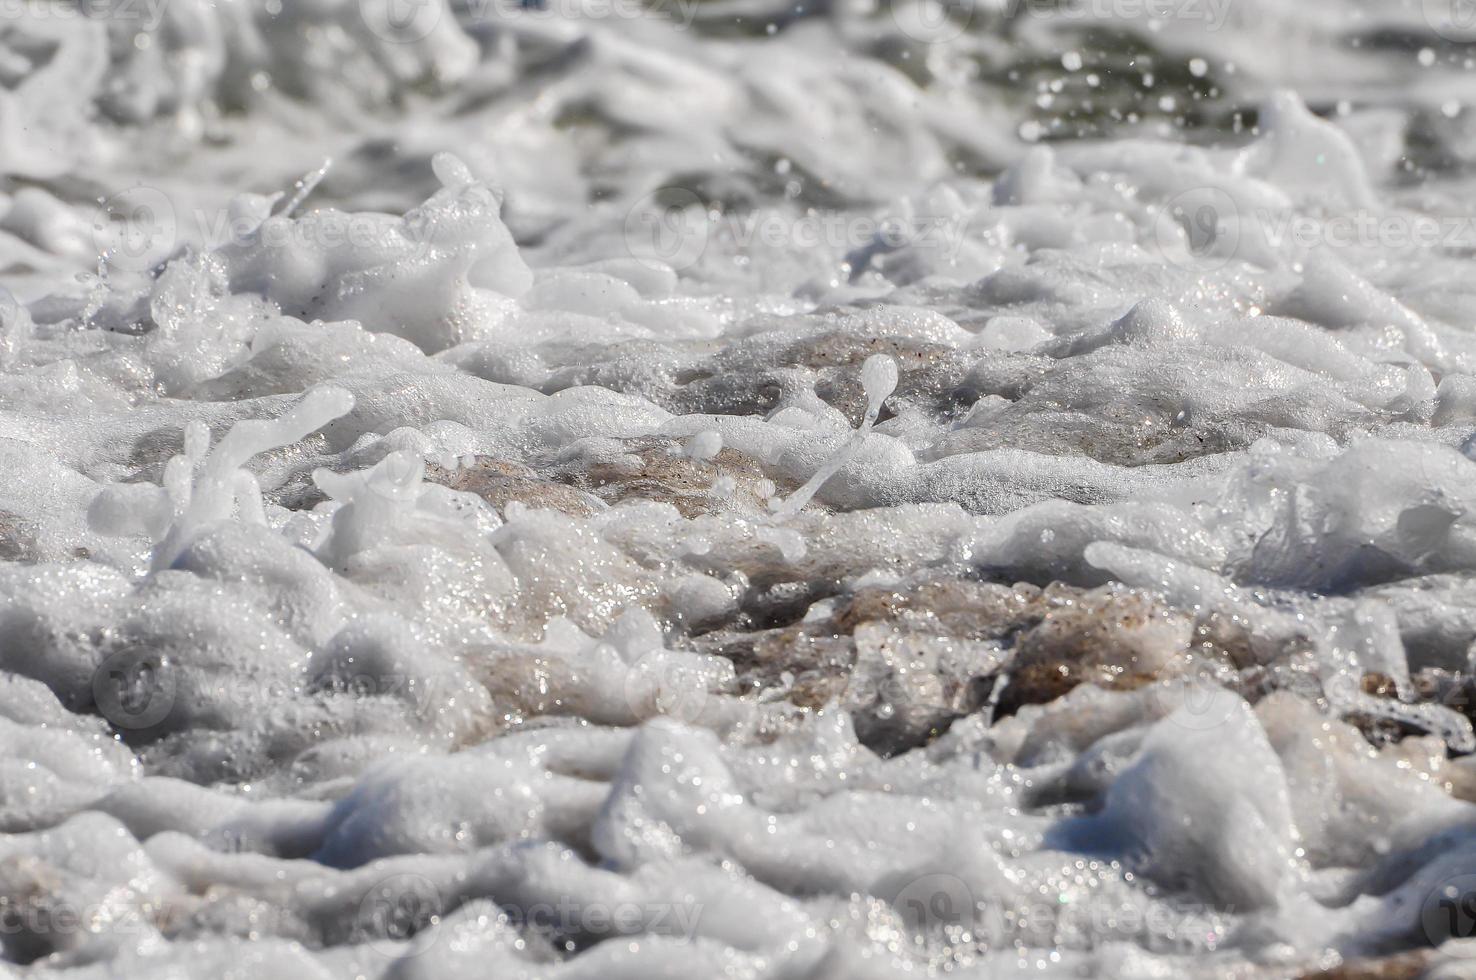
480, 554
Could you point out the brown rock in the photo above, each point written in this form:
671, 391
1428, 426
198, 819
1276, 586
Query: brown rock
17, 538
500, 482
657, 469
1401, 966
954, 607
1114, 637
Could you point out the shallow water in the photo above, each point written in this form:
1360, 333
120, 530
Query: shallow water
709, 488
